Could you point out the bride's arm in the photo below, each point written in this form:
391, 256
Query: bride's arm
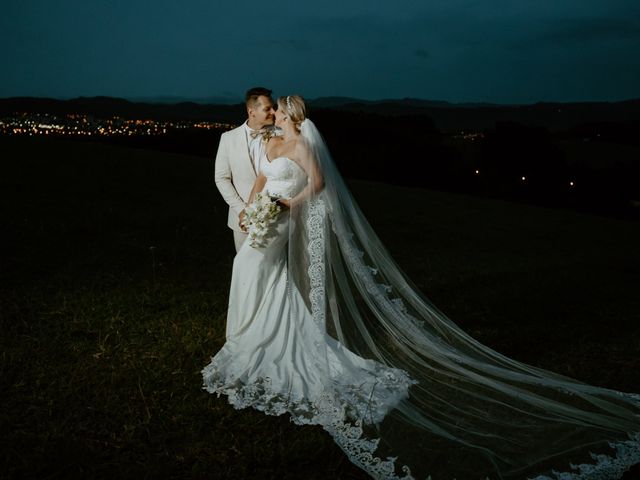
309, 164
258, 185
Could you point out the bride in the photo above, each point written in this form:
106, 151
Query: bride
323, 325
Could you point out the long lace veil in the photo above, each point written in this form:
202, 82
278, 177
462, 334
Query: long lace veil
473, 412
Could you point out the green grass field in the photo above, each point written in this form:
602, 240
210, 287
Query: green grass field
114, 273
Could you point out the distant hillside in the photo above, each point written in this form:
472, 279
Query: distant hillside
212, 100
337, 102
447, 117
452, 117
108, 107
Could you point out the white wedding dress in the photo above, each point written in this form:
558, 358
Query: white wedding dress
323, 325
276, 357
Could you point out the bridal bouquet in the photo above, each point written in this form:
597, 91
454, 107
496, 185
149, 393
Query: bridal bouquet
259, 216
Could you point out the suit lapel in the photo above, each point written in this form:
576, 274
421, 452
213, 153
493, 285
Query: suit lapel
242, 147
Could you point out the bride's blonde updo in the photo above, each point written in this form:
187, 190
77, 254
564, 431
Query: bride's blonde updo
295, 108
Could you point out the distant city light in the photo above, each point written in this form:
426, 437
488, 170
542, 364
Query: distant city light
477, 172
469, 135
22, 123
524, 178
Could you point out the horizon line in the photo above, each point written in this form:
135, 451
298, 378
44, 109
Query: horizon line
221, 100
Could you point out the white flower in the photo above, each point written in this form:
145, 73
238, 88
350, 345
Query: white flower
258, 217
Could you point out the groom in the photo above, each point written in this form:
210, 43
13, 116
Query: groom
235, 169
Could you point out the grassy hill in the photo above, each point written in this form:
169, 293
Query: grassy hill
113, 286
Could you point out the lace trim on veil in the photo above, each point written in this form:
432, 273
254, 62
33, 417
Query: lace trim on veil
627, 454
350, 437
316, 271
606, 467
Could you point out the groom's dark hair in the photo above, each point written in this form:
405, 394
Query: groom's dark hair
253, 93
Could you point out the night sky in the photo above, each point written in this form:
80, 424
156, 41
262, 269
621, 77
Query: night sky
504, 51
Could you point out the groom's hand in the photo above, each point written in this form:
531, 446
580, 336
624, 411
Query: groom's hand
240, 220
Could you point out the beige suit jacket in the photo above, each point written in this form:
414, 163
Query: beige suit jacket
234, 173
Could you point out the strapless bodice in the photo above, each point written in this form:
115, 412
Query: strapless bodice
285, 178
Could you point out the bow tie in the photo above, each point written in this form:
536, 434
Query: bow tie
266, 132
